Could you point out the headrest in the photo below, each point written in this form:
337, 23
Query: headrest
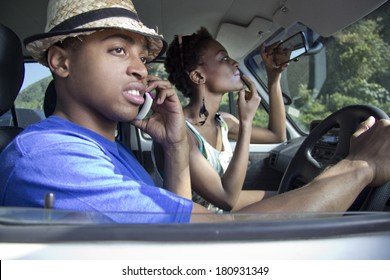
49, 103
11, 68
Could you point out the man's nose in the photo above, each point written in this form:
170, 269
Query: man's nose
137, 68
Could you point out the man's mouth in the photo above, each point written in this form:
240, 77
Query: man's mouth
133, 92
134, 96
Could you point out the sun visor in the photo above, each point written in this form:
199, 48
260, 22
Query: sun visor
239, 40
324, 17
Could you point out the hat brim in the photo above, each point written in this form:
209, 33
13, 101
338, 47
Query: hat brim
37, 45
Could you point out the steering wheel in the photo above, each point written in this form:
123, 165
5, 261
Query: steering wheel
304, 167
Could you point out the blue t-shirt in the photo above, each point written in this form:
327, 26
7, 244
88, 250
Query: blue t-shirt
85, 172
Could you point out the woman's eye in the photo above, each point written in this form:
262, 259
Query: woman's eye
226, 58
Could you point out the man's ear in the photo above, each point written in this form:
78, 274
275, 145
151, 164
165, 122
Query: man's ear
197, 77
57, 59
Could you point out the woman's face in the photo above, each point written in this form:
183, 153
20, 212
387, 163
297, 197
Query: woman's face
220, 71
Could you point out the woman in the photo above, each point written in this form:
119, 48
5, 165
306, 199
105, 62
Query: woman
200, 67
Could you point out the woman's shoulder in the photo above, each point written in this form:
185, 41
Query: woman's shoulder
227, 117
231, 121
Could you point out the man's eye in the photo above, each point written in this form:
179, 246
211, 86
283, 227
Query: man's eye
118, 51
144, 59
226, 58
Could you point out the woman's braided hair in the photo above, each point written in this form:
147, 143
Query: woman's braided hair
180, 60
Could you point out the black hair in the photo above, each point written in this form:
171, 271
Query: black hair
180, 60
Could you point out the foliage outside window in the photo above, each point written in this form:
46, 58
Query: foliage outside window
352, 68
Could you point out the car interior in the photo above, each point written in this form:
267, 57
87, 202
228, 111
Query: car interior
318, 134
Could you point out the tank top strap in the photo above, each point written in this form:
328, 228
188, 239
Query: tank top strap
225, 133
198, 137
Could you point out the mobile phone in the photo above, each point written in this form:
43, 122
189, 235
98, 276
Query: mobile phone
145, 108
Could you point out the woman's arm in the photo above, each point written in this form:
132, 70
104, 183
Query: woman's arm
206, 181
276, 131
224, 191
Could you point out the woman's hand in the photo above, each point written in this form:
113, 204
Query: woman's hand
267, 54
248, 102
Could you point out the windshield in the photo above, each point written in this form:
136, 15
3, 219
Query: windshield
350, 67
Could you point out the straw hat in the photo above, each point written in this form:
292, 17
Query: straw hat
70, 18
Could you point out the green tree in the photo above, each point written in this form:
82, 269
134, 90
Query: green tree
32, 97
358, 66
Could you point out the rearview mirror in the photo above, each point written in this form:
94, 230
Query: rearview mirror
290, 49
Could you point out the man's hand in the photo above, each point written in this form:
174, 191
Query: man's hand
167, 124
371, 144
167, 127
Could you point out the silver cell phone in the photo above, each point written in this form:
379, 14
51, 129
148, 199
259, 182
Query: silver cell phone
145, 108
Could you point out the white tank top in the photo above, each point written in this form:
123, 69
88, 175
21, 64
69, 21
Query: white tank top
219, 160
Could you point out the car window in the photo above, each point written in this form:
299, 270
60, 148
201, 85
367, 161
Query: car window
351, 68
29, 103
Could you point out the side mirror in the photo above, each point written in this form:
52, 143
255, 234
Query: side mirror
290, 49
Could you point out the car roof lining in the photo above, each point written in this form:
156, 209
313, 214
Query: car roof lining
185, 17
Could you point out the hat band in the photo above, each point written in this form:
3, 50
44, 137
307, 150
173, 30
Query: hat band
81, 19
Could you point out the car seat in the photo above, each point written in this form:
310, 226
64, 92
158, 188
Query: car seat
11, 79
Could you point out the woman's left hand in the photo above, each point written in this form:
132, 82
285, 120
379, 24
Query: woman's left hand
267, 54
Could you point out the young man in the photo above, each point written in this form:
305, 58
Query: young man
96, 51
